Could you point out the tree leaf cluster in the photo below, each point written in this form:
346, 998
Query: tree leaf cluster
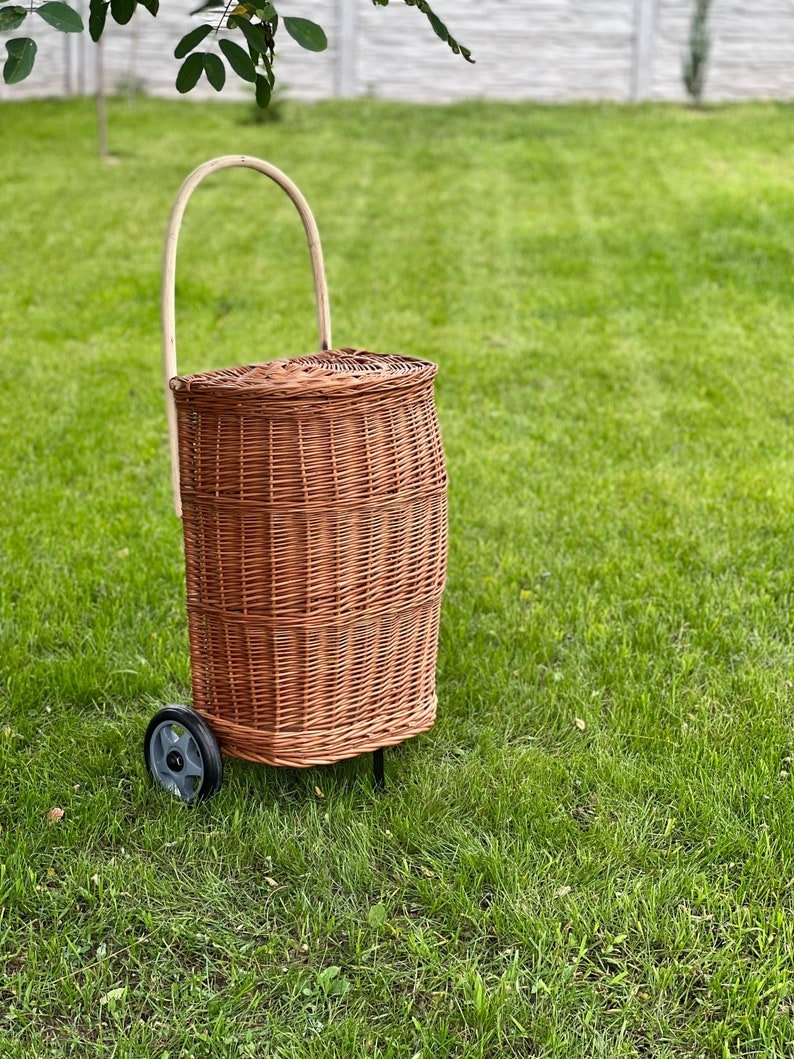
250, 57
21, 51
439, 28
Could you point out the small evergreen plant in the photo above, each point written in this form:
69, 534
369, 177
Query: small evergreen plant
699, 47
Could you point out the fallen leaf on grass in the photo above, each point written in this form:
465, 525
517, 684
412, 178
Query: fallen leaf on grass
580, 724
54, 815
113, 995
318, 792
563, 891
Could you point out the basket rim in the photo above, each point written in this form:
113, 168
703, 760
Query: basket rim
341, 372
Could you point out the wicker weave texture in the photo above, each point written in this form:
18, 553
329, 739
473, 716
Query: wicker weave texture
315, 522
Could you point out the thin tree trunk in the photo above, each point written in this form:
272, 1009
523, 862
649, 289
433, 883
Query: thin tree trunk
101, 115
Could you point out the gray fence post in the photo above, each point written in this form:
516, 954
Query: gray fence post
642, 58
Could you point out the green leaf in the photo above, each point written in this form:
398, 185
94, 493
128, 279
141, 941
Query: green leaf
189, 72
266, 12
255, 35
61, 16
438, 26
239, 60
122, 10
21, 56
12, 17
377, 917
152, 6
262, 91
215, 71
308, 34
191, 40
98, 13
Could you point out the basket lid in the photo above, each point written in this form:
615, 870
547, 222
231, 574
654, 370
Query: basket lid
331, 372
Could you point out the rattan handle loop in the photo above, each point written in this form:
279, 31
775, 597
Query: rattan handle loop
168, 307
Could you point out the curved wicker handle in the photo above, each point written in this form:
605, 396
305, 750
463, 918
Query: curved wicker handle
168, 309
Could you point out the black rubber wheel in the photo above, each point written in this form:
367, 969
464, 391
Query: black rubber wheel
182, 754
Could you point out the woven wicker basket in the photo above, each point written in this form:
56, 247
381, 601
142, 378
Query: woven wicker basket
313, 497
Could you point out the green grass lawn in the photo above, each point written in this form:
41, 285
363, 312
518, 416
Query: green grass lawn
592, 853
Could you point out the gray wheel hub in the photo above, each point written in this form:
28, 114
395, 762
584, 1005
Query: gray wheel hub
176, 760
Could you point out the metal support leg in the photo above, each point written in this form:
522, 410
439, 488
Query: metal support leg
377, 767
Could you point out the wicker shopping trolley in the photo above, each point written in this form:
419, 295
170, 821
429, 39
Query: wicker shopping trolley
312, 492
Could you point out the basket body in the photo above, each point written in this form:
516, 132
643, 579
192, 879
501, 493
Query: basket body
315, 523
